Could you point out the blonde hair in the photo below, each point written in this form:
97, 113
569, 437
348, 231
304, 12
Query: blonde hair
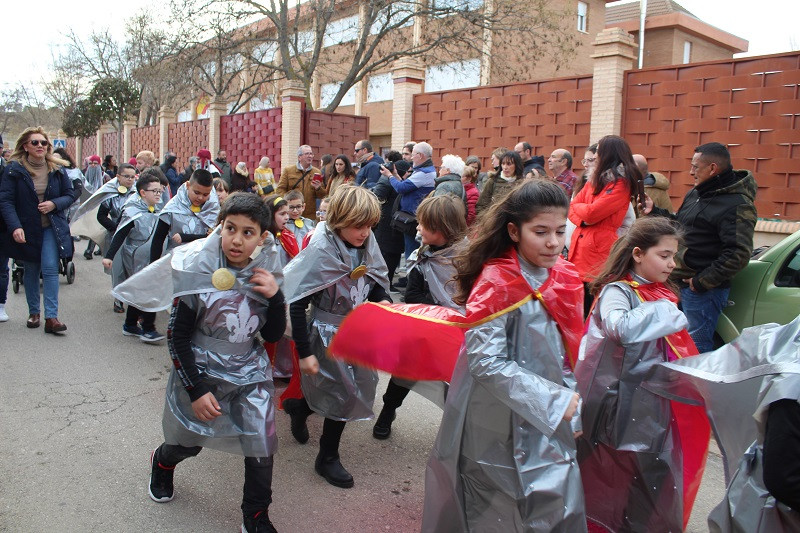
20, 155
352, 207
146, 154
445, 214
470, 174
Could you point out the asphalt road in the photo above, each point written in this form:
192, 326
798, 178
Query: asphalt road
80, 414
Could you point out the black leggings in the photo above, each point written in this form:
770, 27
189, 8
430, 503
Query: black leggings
257, 490
394, 396
148, 319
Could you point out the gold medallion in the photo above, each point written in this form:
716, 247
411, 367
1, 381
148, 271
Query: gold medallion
195, 208
151, 209
223, 279
299, 223
358, 272
122, 189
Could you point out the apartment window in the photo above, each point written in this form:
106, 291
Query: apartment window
380, 88
687, 52
395, 15
328, 91
341, 31
264, 102
184, 116
305, 42
457, 5
583, 12
455, 75
265, 52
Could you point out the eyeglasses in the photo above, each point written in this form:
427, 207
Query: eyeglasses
295, 207
321, 213
93, 163
157, 192
306, 153
592, 160
37, 142
358, 150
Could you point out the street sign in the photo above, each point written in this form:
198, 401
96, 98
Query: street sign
59, 143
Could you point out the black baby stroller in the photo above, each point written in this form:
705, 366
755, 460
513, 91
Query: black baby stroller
65, 267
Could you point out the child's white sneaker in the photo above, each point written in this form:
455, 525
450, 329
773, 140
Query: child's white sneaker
3, 314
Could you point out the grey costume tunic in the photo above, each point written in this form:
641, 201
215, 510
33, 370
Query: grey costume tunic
630, 456
233, 363
438, 270
181, 219
737, 383
504, 459
339, 391
84, 222
135, 251
300, 231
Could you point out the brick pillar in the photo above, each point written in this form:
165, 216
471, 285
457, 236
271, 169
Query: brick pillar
127, 128
615, 52
79, 151
361, 89
104, 128
165, 117
293, 99
216, 110
409, 77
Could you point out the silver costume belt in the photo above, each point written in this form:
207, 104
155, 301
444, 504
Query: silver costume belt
326, 317
220, 346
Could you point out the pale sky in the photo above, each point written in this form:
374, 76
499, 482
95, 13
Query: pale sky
771, 26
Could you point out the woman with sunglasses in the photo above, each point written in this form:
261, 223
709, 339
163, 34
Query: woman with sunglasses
35, 193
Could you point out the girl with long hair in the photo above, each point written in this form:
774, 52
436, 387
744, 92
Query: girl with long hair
640, 458
341, 172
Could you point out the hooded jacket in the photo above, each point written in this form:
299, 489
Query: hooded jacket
656, 186
718, 218
168, 168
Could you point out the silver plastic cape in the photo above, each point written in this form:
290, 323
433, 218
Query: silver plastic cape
736, 384
233, 363
438, 270
300, 231
630, 455
188, 270
84, 222
178, 214
339, 391
134, 254
504, 459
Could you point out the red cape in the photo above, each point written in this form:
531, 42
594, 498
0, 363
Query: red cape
692, 424
422, 342
289, 243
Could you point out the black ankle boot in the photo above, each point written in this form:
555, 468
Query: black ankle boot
383, 426
328, 466
299, 412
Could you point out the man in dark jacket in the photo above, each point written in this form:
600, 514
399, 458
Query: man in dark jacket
529, 161
224, 167
370, 165
718, 217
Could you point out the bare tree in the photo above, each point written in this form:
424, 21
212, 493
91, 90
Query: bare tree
299, 41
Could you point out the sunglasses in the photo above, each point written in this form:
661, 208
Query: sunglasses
37, 142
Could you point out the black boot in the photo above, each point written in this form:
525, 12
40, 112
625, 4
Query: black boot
383, 426
328, 466
299, 411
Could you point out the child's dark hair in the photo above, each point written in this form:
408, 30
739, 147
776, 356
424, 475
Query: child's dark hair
644, 234
274, 202
154, 171
526, 200
294, 194
202, 177
249, 205
445, 214
125, 166
145, 179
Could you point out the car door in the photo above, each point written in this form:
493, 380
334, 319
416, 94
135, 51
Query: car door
779, 296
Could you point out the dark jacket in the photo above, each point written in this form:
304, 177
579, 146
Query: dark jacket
450, 184
389, 239
224, 170
536, 162
168, 168
370, 173
19, 209
718, 218
416, 187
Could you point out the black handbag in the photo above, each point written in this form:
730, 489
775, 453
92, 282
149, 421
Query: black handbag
403, 221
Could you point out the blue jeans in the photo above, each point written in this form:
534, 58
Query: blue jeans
411, 244
702, 310
49, 271
3, 278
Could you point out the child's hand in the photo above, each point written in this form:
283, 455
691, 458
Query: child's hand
107, 262
576, 434
177, 238
264, 282
309, 365
573, 407
206, 407
647, 207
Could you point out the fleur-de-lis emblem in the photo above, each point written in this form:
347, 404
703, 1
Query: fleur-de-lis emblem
359, 292
242, 324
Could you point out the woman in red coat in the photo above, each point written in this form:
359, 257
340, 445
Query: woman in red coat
599, 208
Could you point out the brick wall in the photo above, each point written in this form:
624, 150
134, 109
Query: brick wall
750, 104
110, 145
145, 139
548, 114
250, 136
186, 138
89, 148
333, 133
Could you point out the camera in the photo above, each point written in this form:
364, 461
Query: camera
388, 166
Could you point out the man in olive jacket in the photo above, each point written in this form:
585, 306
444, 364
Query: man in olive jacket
301, 177
718, 216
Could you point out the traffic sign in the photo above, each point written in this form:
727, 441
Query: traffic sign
59, 143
